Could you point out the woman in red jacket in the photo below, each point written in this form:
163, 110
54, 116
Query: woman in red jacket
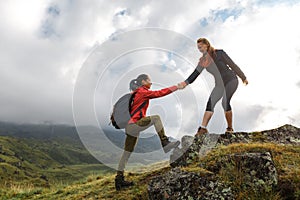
225, 73
139, 122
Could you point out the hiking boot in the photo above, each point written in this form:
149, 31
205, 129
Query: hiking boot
201, 131
229, 130
121, 183
167, 145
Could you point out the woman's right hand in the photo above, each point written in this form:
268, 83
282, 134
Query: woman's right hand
245, 82
181, 85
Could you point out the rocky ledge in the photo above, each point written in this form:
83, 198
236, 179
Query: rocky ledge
193, 148
226, 176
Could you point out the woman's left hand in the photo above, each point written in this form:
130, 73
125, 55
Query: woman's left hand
245, 82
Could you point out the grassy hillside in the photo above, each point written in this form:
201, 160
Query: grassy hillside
49, 156
286, 158
43, 163
67, 135
95, 186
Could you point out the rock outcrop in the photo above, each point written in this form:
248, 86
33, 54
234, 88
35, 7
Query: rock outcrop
254, 172
178, 184
193, 148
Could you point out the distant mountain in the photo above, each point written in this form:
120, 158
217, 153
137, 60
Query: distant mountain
60, 142
68, 134
40, 131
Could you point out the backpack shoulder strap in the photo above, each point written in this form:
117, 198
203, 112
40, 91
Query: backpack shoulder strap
131, 100
139, 108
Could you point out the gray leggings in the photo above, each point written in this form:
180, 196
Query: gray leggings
222, 91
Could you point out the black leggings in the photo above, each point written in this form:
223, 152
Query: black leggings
219, 91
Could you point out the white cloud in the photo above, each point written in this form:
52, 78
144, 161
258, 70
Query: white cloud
22, 16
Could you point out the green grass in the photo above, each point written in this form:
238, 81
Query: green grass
96, 185
24, 161
91, 181
286, 159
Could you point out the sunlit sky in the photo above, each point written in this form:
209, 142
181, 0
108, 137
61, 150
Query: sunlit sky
45, 43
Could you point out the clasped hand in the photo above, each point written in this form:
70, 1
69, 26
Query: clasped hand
181, 85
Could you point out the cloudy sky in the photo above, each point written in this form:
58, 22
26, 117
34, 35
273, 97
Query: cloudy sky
45, 44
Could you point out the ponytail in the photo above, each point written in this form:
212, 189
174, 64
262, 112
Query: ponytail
133, 85
136, 83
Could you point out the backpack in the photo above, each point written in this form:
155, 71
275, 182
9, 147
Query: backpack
121, 111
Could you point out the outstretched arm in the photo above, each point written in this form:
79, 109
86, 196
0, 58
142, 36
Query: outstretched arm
194, 74
159, 93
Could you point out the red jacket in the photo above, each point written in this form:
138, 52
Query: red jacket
144, 94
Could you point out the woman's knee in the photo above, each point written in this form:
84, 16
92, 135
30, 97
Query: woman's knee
226, 106
210, 106
210, 109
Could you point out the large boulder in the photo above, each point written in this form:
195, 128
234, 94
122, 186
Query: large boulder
178, 184
255, 172
192, 149
229, 175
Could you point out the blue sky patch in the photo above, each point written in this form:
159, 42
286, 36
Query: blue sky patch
271, 3
220, 15
122, 13
47, 29
226, 13
53, 11
203, 22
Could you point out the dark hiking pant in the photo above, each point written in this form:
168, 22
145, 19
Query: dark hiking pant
132, 134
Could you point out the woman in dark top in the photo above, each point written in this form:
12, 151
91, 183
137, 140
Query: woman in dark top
224, 70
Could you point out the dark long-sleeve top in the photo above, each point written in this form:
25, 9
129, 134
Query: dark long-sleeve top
224, 69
